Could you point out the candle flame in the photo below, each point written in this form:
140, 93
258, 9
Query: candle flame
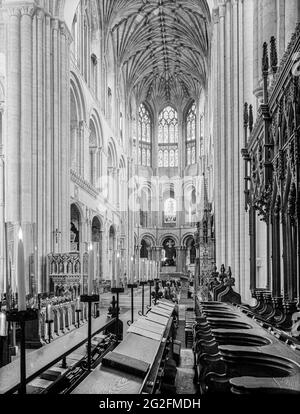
90, 247
131, 258
20, 234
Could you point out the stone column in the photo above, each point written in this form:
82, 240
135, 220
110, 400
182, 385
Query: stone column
292, 17
281, 27
216, 127
180, 252
257, 89
244, 241
48, 138
2, 218
26, 112
56, 138
13, 116
269, 19
237, 199
229, 143
65, 40
223, 163
40, 146
256, 46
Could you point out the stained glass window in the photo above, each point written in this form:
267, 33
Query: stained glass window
168, 138
191, 120
144, 135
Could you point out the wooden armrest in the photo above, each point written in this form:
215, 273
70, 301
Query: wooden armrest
216, 377
209, 357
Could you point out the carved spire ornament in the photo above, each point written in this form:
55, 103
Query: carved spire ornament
265, 59
246, 115
273, 55
251, 118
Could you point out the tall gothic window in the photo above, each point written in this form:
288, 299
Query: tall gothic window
168, 138
144, 131
191, 136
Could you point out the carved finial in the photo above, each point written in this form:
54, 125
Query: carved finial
246, 115
277, 206
265, 59
292, 202
273, 55
229, 273
250, 118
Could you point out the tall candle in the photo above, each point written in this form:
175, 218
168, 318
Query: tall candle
144, 270
78, 307
139, 269
91, 270
48, 312
132, 270
118, 271
147, 270
21, 274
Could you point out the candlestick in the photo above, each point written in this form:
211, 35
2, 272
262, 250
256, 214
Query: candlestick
21, 274
91, 270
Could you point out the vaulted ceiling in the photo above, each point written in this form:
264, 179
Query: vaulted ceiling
161, 46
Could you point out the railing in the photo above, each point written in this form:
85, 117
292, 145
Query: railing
42, 359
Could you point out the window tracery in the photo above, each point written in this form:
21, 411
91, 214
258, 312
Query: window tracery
191, 135
168, 138
144, 135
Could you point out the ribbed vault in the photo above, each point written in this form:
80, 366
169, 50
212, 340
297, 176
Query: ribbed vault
161, 46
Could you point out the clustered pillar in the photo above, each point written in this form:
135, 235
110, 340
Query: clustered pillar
37, 144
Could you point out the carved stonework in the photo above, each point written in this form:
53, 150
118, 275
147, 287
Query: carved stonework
273, 55
277, 206
265, 59
65, 270
292, 203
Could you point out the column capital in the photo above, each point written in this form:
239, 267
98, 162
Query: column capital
28, 10
13, 11
55, 24
222, 10
215, 15
66, 32
40, 14
74, 125
47, 19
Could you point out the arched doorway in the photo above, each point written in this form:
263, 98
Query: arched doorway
97, 246
75, 229
169, 253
